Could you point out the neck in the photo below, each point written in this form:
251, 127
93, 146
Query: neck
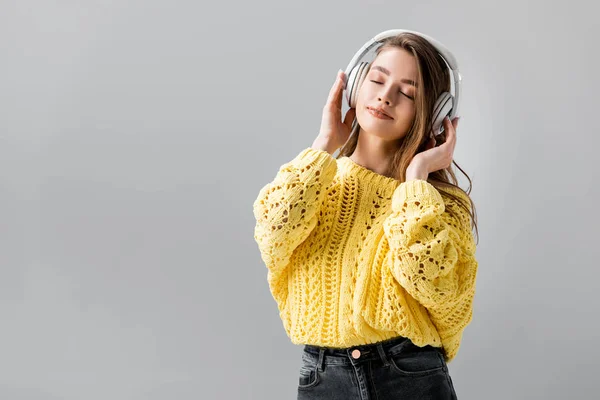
374, 153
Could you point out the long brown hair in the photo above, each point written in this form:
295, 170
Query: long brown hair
433, 78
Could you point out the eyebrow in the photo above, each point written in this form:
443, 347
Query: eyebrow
387, 72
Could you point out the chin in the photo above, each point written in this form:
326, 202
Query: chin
373, 127
388, 135
378, 133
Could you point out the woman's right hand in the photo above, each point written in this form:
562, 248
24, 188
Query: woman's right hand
334, 133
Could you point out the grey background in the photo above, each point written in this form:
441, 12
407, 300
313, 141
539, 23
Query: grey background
135, 136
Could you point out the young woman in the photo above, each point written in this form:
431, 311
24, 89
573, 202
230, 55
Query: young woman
370, 254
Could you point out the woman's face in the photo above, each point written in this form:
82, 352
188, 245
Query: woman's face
388, 88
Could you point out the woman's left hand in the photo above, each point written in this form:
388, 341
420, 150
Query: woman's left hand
434, 158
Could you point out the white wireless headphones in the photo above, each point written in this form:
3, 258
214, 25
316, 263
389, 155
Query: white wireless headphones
446, 104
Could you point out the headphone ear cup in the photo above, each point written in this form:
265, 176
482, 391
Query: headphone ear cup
350, 85
441, 109
355, 80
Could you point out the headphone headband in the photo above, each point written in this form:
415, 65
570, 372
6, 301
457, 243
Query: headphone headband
442, 50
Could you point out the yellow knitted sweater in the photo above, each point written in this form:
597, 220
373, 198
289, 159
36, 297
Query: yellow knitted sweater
355, 257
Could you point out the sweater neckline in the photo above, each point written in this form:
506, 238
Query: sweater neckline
365, 174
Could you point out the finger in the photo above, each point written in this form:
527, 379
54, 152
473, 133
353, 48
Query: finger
451, 127
340, 90
432, 143
455, 123
451, 137
336, 90
349, 118
449, 131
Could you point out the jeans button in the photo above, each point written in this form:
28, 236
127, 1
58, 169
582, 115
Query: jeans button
356, 353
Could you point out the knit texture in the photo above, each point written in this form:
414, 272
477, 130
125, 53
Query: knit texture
355, 257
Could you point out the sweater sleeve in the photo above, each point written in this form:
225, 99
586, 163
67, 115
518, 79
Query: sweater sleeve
432, 256
286, 212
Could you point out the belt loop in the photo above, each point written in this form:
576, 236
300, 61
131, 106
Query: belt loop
382, 354
321, 357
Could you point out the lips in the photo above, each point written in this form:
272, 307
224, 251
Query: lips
378, 112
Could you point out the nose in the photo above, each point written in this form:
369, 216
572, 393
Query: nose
386, 101
384, 96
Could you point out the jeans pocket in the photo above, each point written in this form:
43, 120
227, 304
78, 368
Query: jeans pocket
413, 361
308, 374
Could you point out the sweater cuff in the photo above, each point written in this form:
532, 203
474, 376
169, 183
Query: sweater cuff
413, 190
451, 345
320, 159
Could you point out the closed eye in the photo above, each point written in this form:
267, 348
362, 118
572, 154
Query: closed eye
398, 90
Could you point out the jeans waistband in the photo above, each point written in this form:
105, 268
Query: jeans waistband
347, 355
363, 348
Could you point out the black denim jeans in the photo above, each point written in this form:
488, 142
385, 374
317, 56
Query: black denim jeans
391, 369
